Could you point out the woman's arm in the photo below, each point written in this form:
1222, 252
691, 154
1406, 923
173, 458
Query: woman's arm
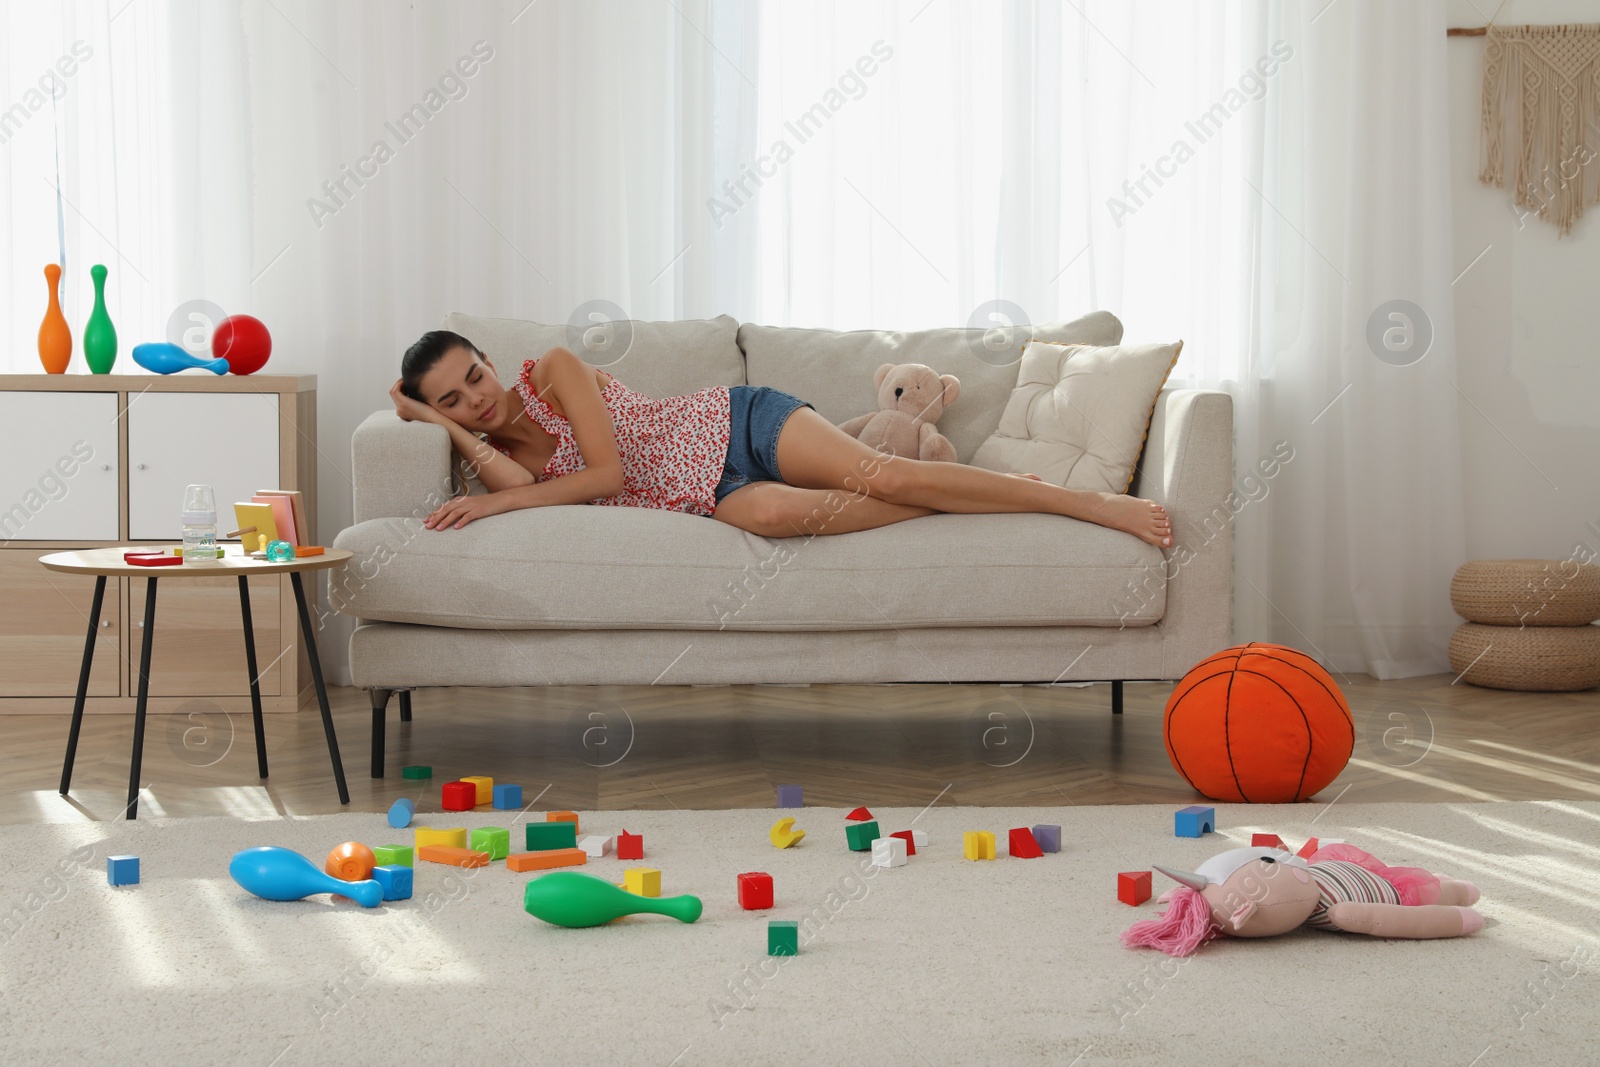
494, 469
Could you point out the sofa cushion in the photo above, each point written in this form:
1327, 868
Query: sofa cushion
581, 567
833, 368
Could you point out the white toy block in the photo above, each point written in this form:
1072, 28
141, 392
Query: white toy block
889, 852
919, 837
596, 845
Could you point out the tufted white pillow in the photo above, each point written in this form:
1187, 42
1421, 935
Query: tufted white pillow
1079, 414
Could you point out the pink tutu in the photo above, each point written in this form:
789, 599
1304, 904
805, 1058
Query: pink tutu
1415, 885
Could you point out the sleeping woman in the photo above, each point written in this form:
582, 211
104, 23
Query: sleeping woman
754, 457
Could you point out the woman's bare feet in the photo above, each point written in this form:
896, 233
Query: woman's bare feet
1145, 519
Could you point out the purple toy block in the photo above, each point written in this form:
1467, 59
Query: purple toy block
1048, 836
789, 796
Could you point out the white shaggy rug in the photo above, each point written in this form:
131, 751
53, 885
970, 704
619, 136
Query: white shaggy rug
942, 961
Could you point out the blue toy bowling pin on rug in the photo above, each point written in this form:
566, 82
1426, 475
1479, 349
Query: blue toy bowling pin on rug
273, 873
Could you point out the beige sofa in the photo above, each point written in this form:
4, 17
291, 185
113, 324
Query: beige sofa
579, 595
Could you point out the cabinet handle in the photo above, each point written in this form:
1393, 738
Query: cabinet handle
139, 466
105, 622
105, 466
140, 624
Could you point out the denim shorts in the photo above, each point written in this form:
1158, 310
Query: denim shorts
755, 416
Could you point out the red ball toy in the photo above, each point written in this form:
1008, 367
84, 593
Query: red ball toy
1259, 724
243, 341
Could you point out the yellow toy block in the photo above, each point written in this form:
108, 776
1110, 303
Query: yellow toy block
783, 834
642, 881
977, 845
485, 788
455, 837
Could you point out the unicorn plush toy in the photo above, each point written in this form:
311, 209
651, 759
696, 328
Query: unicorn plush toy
1262, 892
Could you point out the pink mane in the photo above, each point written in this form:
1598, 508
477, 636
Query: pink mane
1182, 928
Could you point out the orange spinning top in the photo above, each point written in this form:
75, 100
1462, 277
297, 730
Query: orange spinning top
351, 861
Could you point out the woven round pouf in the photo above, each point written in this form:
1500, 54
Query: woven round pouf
1543, 659
1527, 592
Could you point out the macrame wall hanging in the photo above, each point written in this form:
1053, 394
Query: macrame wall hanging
1541, 118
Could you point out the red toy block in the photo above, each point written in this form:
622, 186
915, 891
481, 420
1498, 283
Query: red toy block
909, 838
859, 815
1023, 845
1307, 849
460, 796
755, 891
1133, 887
1267, 841
630, 846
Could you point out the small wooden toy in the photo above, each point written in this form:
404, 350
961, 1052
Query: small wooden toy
415, 772
491, 839
1022, 845
543, 836
547, 859
642, 881
459, 796
755, 891
454, 857
507, 797
919, 838
596, 845
563, 816
273, 873
889, 852
977, 845
1267, 841
909, 838
350, 862
789, 796
784, 835
783, 937
1133, 887
861, 835
395, 879
1193, 821
1308, 848
393, 855
859, 815
571, 898
485, 788
401, 812
1048, 835
122, 870
630, 846
455, 836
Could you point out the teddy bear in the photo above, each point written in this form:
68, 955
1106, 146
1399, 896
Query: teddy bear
911, 397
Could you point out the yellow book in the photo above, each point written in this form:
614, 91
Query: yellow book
260, 516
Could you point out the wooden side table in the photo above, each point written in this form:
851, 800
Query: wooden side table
104, 563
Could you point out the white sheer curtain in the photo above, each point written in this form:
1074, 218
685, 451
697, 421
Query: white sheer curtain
935, 158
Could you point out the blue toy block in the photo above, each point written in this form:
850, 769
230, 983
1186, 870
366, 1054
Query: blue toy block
508, 798
400, 813
789, 796
395, 879
1048, 836
122, 870
1193, 821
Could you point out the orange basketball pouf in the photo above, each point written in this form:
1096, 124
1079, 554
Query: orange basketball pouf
1258, 723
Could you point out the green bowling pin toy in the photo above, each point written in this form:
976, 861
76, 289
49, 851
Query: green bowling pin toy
568, 898
99, 336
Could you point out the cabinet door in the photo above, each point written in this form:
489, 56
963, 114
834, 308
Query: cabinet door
199, 644
42, 628
59, 478
228, 441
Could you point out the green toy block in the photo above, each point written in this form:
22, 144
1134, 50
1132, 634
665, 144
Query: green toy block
861, 835
783, 937
417, 772
393, 856
491, 839
544, 836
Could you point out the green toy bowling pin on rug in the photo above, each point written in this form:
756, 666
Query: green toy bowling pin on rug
99, 336
568, 898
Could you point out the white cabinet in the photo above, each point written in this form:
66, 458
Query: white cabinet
58, 481
228, 441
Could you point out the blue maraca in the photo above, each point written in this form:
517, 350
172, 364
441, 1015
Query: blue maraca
273, 873
164, 357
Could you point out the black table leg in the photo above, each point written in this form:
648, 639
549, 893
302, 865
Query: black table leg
144, 697
322, 692
255, 681
1116, 698
83, 684
405, 705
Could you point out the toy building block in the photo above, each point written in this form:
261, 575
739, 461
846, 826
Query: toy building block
401, 812
977, 845
859, 815
563, 816
455, 837
642, 881
491, 839
909, 838
395, 879
485, 788
861, 835
919, 838
455, 857
507, 797
546, 859
393, 855
417, 772
122, 870
783, 937
889, 852
1267, 841
630, 846
1308, 848
755, 891
459, 796
596, 845
1193, 821
1022, 845
789, 796
1133, 887
1048, 835
784, 835
542, 836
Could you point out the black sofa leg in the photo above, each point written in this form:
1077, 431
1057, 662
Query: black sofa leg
380, 708
405, 705
1116, 698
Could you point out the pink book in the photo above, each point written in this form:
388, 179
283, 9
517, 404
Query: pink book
282, 514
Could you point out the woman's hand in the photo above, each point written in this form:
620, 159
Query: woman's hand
408, 409
454, 514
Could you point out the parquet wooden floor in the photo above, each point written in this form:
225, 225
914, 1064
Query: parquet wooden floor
617, 747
